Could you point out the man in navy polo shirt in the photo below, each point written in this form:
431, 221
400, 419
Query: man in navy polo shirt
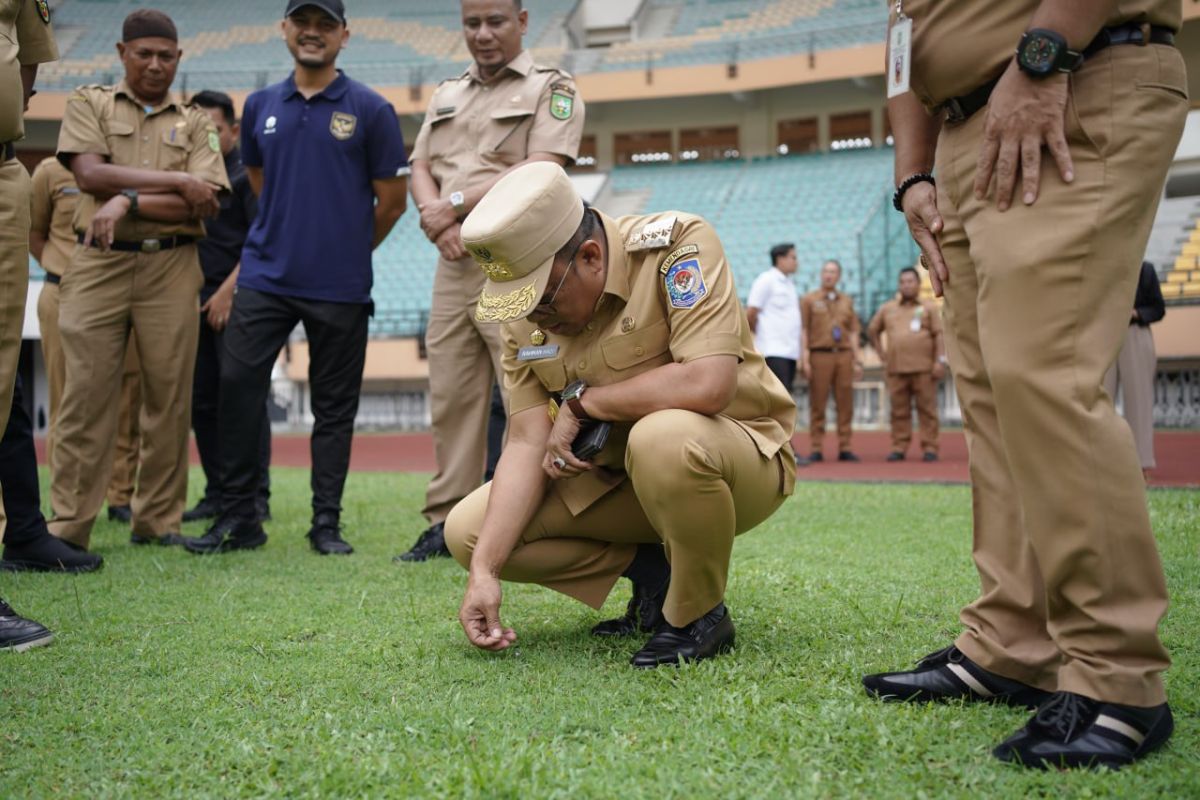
325, 156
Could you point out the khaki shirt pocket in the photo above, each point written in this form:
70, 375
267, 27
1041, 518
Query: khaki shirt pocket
633, 349
173, 150
552, 372
441, 134
508, 140
121, 144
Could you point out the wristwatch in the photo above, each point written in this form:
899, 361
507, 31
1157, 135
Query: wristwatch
570, 396
458, 201
133, 200
1042, 53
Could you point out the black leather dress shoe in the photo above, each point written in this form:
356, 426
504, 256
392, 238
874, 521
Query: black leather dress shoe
205, 509
227, 535
120, 514
816, 457
1070, 730
949, 675
707, 637
166, 540
20, 634
642, 615
48, 553
430, 544
895, 455
846, 455
325, 537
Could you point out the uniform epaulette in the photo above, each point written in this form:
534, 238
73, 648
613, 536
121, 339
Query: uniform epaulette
559, 70
653, 235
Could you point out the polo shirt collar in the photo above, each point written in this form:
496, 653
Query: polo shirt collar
333, 91
521, 65
914, 302
617, 281
123, 90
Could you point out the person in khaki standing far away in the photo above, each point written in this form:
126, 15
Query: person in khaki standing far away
52, 242
149, 169
915, 359
1050, 126
634, 324
830, 359
504, 111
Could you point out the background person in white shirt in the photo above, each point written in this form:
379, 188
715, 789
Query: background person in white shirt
773, 309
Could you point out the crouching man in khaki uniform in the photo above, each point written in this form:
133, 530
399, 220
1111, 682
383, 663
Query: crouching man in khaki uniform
633, 322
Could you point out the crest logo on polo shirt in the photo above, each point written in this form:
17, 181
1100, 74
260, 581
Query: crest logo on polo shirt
269, 127
342, 125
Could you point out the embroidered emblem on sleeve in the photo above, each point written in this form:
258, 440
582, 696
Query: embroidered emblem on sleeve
685, 284
675, 255
43, 8
561, 105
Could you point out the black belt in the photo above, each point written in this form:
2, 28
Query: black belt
959, 109
147, 245
52, 278
829, 349
10, 151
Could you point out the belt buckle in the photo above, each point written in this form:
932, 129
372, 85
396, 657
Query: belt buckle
151, 245
954, 110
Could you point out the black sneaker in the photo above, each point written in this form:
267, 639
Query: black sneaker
895, 455
846, 455
816, 457
929, 457
120, 514
206, 508
707, 637
20, 634
48, 553
1071, 731
166, 540
949, 675
325, 536
430, 544
226, 535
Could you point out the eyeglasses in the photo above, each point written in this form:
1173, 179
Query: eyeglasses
546, 308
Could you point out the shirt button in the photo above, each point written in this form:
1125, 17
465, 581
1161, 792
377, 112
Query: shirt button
638, 351
582, 365
145, 138
590, 326
145, 162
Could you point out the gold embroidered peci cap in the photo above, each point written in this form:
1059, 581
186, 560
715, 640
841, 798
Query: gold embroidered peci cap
513, 234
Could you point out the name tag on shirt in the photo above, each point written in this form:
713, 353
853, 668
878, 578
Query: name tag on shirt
915, 325
537, 353
899, 57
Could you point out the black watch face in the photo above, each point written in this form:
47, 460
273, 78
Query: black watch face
1040, 53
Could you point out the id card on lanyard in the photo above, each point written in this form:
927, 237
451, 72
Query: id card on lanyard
899, 54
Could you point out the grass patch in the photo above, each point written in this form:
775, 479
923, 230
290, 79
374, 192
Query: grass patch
285, 674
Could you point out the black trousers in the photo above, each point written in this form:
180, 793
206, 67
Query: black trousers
206, 393
19, 476
784, 369
258, 329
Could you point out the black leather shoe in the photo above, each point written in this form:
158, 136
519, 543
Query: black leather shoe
204, 509
895, 455
166, 540
642, 615
430, 544
707, 637
949, 675
48, 553
816, 457
120, 514
226, 535
325, 536
929, 457
846, 455
801, 462
20, 634
1070, 730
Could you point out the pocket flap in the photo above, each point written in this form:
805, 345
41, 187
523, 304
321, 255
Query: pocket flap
118, 128
551, 372
622, 352
514, 111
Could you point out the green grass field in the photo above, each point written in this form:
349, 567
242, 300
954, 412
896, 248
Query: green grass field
285, 674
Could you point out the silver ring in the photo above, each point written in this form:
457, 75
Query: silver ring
559, 463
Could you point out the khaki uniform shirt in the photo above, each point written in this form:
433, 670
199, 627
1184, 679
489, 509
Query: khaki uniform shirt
958, 46
25, 38
108, 120
829, 320
53, 203
475, 130
912, 329
673, 302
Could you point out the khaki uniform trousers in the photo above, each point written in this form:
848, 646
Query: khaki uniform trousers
104, 296
1036, 307
464, 360
120, 486
834, 370
694, 483
1134, 372
903, 388
14, 275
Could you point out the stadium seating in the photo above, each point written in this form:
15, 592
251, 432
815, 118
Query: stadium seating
1182, 279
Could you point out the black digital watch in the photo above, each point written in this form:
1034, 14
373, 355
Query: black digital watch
1042, 53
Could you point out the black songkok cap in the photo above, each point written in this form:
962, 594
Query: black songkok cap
145, 23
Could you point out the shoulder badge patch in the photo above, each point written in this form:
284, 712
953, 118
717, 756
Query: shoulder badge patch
43, 8
678, 253
214, 143
652, 236
562, 105
685, 284
342, 125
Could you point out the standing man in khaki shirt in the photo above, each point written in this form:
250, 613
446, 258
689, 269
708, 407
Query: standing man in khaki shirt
633, 323
1074, 109
149, 169
504, 111
830, 359
915, 360
52, 242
